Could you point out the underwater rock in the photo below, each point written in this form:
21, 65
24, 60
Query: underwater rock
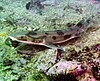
66, 71
28, 5
35, 6
84, 65
74, 71
65, 67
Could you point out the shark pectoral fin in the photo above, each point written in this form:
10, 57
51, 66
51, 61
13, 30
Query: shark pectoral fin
59, 50
53, 46
59, 54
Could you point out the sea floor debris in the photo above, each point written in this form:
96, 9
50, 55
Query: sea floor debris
83, 65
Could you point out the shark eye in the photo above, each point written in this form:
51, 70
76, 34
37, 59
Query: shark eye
22, 38
54, 37
59, 32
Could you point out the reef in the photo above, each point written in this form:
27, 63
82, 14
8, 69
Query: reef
81, 60
83, 65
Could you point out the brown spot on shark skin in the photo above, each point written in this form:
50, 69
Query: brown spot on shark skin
33, 40
60, 32
46, 33
79, 24
67, 36
54, 37
21, 37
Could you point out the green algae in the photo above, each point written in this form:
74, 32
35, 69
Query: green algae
14, 17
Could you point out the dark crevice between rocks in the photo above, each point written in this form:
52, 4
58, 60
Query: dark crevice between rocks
63, 77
